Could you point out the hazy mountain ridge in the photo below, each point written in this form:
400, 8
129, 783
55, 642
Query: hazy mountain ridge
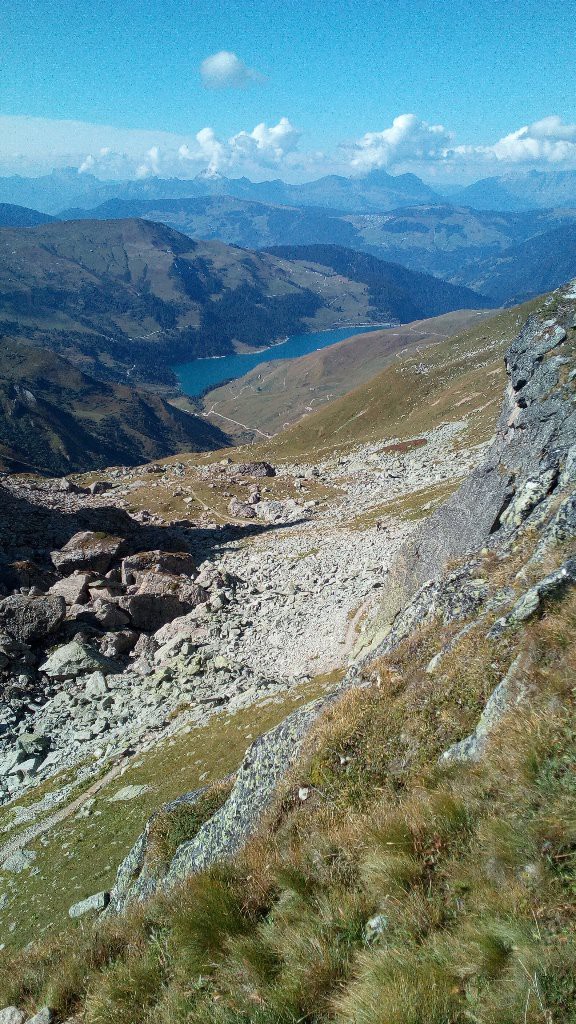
436, 239
536, 265
125, 299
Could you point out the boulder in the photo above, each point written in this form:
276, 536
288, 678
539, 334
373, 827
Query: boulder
179, 563
76, 659
74, 589
34, 744
112, 645
44, 1016
88, 550
99, 901
159, 599
242, 509
258, 469
28, 618
11, 1015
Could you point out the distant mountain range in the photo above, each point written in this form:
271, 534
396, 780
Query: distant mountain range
436, 239
125, 299
21, 216
376, 192
536, 265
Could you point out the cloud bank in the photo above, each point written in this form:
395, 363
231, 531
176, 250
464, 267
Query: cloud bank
36, 145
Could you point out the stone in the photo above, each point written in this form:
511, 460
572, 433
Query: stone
179, 563
510, 690
75, 659
242, 509
258, 469
44, 1016
160, 598
128, 793
88, 550
31, 618
114, 645
34, 744
100, 487
375, 927
74, 589
184, 627
18, 861
98, 902
11, 1015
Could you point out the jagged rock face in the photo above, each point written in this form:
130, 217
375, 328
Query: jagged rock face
534, 444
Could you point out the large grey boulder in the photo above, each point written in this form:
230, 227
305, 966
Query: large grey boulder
160, 598
77, 659
11, 1015
28, 618
95, 903
74, 589
178, 563
88, 550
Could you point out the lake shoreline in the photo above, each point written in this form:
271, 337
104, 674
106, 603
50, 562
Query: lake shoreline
193, 374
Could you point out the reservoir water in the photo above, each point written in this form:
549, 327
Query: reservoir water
202, 374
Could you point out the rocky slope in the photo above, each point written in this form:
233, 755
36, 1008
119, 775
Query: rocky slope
131, 617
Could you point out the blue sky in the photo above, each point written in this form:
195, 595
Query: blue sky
339, 74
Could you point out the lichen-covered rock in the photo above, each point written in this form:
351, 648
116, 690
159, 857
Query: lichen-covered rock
74, 589
264, 764
29, 619
178, 563
511, 690
92, 904
76, 659
88, 550
257, 469
12, 1015
530, 602
160, 598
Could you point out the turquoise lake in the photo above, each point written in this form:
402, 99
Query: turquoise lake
202, 374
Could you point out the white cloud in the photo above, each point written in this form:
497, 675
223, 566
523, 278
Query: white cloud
224, 70
32, 146
408, 139
266, 145
548, 141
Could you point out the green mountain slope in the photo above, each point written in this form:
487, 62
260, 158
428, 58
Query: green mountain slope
534, 266
274, 395
413, 294
56, 419
125, 299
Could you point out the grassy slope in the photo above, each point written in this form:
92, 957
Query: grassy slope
469, 871
274, 395
463, 376
80, 855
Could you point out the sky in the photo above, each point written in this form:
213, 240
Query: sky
453, 90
